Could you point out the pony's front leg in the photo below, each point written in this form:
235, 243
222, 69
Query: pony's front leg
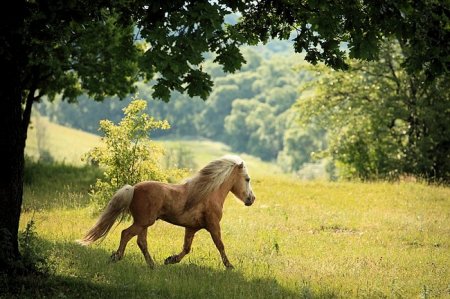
188, 238
214, 230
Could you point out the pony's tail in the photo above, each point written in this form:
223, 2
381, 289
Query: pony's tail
117, 205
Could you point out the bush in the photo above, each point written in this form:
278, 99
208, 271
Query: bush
33, 254
128, 155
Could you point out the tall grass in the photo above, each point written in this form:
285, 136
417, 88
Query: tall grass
299, 240
57, 185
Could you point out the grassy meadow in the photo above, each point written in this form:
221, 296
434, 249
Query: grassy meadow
299, 240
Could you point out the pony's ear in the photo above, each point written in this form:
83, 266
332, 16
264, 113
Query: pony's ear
241, 165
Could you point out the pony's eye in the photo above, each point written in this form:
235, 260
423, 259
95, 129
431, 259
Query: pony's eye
247, 179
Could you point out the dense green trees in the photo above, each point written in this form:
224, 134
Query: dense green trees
248, 110
383, 122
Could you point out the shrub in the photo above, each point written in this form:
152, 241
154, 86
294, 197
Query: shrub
33, 254
128, 155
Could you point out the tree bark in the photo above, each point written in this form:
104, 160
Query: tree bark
12, 134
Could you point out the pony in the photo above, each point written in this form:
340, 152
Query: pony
195, 204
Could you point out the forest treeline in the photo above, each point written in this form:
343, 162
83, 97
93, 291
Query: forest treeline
250, 110
374, 121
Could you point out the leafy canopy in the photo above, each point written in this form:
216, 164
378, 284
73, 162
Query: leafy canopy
102, 47
324, 29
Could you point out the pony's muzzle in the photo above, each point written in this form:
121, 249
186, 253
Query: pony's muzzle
250, 200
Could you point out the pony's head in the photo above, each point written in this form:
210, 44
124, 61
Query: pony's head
213, 175
241, 187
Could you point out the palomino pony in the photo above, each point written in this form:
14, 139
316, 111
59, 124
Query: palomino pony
195, 205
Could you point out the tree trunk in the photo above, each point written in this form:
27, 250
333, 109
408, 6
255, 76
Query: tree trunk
12, 148
12, 134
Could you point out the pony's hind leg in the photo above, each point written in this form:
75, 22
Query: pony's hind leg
127, 234
142, 243
188, 238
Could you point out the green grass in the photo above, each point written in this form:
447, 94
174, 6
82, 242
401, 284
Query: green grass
299, 240
57, 185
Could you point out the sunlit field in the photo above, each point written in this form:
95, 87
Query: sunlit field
299, 240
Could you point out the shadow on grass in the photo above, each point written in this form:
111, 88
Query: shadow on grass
89, 274
55, 185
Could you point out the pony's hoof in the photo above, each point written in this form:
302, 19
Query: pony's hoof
115, 257
171, 260
229, 267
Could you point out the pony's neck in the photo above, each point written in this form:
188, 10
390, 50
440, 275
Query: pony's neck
224, 189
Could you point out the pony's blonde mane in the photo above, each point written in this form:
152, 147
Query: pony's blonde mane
210, 177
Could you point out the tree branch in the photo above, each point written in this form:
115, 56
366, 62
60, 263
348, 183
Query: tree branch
394, 76
26, 115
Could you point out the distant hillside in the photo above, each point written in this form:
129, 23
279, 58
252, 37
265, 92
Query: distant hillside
61, 143
47, 140
207, 150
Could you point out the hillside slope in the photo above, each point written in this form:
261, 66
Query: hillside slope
61, 143
68, 145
